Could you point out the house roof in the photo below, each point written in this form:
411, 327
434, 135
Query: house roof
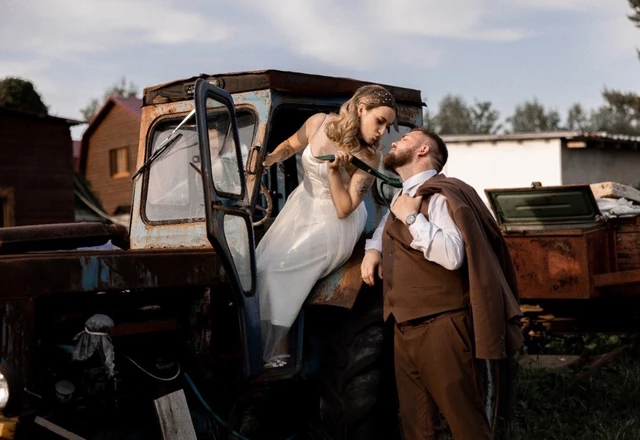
279, 80
33, 115
573, 139
131, 105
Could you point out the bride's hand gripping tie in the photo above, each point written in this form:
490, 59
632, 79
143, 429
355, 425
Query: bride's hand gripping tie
342, 159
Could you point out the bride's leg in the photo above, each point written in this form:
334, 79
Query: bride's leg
275, 342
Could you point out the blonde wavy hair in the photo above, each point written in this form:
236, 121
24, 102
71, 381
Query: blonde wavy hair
344, 129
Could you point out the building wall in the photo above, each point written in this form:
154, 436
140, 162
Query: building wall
592, 165
36, 161
507, 164
118, 129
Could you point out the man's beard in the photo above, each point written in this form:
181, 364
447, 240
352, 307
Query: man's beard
394, 160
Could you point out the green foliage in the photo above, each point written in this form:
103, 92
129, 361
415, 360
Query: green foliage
19, 94
532, 117
577, 118
456, 117
635, 16
121, 89
619, 115
603, 407
484, 119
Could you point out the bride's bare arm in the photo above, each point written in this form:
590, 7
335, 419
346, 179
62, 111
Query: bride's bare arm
346, 200
296, 142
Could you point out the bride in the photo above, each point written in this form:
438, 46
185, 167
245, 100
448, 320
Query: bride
324, 216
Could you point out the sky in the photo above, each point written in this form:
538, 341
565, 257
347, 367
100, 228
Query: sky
559, 52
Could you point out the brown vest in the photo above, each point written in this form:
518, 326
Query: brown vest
413, 286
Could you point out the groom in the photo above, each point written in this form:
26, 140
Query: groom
449, 284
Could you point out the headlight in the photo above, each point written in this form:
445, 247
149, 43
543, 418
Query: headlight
11, 387
4, 391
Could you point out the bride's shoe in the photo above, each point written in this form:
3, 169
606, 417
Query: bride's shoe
278, 361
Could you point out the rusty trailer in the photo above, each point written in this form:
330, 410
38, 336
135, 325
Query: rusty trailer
578, 269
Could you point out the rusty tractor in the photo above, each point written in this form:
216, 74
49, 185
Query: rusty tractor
160, 333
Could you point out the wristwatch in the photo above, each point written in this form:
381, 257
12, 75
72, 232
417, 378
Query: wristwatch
411, 218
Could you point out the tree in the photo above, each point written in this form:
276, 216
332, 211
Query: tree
620, 115
20, 94
456, 117
121, 89
635, 17
531, 117
484, 119
577, 118
453, 116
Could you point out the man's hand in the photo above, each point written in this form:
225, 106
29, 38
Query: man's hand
405, 205
371, 262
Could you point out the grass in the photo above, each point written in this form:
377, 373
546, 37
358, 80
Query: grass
606, 406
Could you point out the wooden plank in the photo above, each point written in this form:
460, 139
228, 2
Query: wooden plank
616, 278
174, 416
615, 190
57, 429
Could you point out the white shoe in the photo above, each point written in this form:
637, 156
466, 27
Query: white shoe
278, 361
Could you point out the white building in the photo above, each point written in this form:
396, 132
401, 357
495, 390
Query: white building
557, 158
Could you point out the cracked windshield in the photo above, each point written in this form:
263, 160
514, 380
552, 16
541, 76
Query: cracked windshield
174, 188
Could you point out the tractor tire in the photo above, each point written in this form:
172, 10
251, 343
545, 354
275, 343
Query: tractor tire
356, 386
358, 396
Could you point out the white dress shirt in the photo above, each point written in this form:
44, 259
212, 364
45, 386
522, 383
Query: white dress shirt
438, 238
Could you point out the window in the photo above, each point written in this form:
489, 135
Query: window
119, 162
174, 185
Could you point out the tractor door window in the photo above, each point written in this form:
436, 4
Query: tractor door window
174, 186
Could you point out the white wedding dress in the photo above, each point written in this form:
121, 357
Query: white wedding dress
305, 243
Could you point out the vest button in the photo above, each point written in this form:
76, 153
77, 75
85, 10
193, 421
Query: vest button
389, 271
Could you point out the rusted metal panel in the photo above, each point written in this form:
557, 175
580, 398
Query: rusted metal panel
286, 82
31, 275
136, 328
341, 287
176, 234
17, 342
627, 243
556, 267
618, 278
60, 236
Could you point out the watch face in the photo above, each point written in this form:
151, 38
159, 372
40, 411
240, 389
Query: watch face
410, 219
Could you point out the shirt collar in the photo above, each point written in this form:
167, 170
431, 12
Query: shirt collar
411, 185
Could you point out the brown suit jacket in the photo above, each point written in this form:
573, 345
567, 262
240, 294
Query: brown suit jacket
493, 288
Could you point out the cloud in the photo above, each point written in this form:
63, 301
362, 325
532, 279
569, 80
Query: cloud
562, 5
454, 19
76, 27
616, 38
341, 34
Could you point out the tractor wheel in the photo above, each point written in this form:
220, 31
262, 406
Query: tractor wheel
356, 382
357, 390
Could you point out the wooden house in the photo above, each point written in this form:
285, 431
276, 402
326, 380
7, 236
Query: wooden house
108, 153
36, 169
